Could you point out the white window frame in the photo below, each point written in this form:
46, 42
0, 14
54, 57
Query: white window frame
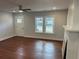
36, 26
44, 26
52, 25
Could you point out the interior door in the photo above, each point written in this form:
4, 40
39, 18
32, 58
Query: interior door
19, 24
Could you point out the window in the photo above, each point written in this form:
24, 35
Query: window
49, 24
38, 24
19, 20
44, 24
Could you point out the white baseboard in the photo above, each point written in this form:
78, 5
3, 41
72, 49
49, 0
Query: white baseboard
44, 38
5, 38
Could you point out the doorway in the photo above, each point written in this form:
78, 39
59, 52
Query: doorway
19, 24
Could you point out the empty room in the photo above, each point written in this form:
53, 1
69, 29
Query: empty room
39, 29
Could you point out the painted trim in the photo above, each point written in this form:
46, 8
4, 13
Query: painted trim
41, 39
53, 39
5, 38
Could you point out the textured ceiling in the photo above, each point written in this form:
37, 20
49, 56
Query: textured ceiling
35, 5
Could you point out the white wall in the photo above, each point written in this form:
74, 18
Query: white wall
73, 45
72, 31
60, 20
6, 25
73, 15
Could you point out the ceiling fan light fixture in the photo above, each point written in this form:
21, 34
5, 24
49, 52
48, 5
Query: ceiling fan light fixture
20, 11
13, 11
54, 8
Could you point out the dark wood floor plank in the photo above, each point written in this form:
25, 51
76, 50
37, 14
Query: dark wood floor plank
30, 48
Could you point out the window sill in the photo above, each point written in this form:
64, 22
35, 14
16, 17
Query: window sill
44, 33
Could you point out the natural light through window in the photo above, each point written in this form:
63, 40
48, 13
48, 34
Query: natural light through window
19, 20
38, 24
44, 24
49, 24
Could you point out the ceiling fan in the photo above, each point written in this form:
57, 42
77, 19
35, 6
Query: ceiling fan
21, 9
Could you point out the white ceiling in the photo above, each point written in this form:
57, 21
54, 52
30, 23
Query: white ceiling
35, 5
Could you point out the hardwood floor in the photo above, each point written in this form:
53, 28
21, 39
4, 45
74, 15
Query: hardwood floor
29, 48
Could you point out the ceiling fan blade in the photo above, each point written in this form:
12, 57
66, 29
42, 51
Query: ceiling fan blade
27, 10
